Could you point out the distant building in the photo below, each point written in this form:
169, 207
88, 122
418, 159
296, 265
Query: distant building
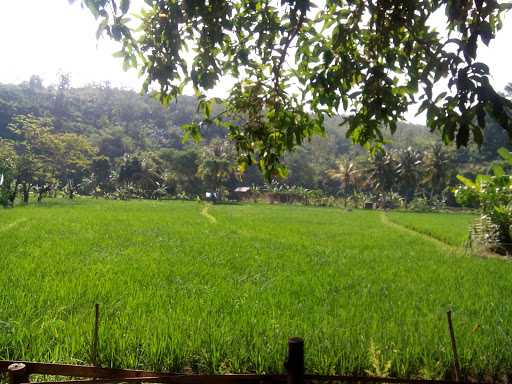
211, 196
241, 193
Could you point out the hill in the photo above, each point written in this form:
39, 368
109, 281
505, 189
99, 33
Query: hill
121, 124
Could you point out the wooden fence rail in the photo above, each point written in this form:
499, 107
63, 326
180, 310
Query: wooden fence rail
18, 372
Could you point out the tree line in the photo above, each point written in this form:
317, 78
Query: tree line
102, 141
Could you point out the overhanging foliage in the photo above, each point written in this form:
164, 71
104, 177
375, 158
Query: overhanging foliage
296, 61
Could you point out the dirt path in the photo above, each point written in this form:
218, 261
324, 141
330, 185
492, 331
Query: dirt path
206, 214
448, 247
458, 250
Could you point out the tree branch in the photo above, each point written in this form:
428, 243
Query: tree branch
291, 36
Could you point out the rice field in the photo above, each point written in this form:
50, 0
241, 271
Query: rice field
451, 228
220, 288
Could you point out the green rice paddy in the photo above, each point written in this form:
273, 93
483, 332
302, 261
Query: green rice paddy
220, 288
451, 228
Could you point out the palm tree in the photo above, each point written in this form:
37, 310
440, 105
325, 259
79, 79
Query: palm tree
347, 175
436, 170
217, 165
383, 172
408, 172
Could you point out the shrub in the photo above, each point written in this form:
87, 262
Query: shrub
485, 234
493, 193
466, 197
420, 204
4, 198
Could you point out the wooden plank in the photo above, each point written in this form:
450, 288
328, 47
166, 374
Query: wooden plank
108, 375
231, 379
373, 379
78, 370
184, 379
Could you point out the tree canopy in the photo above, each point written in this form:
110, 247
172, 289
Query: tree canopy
102, 141
296, 61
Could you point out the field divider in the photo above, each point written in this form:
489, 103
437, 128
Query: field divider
390, 223
205, 213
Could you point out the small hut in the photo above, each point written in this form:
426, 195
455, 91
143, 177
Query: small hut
241, 193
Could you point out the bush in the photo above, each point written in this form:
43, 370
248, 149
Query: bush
493, 193
6, 191
420, 204
484, 233
4, 199
466, 197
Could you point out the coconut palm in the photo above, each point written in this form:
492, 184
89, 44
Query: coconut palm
409, 172
383, 173
436, 170
346, 174
217, 165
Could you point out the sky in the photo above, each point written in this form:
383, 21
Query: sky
45, 37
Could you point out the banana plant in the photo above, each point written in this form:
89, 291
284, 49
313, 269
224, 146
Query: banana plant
494, 195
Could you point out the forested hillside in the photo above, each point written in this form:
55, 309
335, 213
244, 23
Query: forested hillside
117, 142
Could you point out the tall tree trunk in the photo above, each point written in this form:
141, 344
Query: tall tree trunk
40, 193
13, 193
70, 190
26, 193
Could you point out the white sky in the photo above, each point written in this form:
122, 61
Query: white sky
43, 37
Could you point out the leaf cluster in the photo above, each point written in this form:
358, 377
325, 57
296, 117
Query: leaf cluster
295, 63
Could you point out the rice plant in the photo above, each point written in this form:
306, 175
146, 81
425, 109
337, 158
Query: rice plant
181, 291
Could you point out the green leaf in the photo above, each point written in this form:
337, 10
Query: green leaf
485, 32
101, 28
207, 108
467, 182
497, 170
93, 7
125, 5
505, 155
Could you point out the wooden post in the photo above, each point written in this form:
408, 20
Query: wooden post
18, 373
95, 336
454, 347
295, 363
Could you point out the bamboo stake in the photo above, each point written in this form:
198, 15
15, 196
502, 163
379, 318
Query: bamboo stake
454, 347
95, 336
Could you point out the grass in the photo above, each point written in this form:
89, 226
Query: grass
221, 288
451, 228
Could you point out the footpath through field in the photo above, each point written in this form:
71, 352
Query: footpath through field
449, 247
206, 214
